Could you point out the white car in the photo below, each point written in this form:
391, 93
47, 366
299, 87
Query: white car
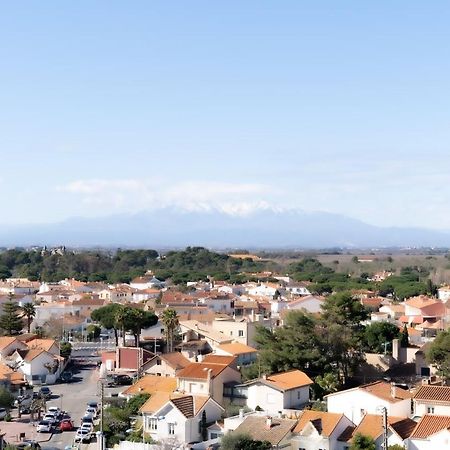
87, 426
54, 410
44, 426
91, 411
49, 417
82, 435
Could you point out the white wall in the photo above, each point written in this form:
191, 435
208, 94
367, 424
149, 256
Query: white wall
420, 408
270, 400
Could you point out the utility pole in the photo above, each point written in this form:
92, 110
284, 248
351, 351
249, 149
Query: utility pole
385, 428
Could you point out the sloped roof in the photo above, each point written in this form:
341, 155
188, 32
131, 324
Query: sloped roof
325, 421
199, 371
219, 359
205, 330
151, 384
372, 425
380, 389
175, 360
433, 393
44, 344
5, 341
256, 428
430, 424
236, 348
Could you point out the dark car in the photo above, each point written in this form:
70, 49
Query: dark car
45, 392
119, 380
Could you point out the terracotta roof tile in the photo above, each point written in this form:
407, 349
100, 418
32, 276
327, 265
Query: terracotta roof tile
236, 348
433, 393
328, 421
5, 341
199, 371
175, 360
372, 425
289, 380
384, 390
429, 425
151, 384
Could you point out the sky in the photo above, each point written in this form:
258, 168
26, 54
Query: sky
113, 107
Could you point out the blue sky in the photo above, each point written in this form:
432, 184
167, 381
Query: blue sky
111, 107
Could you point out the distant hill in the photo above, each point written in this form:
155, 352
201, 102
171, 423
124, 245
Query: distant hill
169, 227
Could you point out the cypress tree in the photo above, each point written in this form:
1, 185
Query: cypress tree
10, 320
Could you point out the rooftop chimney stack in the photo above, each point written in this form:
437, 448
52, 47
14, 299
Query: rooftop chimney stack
393, 390
269, 422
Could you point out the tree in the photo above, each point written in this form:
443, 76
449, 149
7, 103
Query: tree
6, 398
65, 349
362, 442
233, 441
10, 321
204, 426
106, 317
404, 337
439, 354
28, 312
396, 447
135, 403
329, 383
169, 318
93, 331
379, 334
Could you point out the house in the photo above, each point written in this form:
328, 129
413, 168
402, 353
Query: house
317, 429
431, 399
193, 330
49, 345
209, 376
127, 359
277, 431
424, 307
310, 303
367, 399
245, 354
178, 418
265, 289
297, 289
431, 433
146, 282
394, 311
399, 429
166, 364
37, 365
278, 392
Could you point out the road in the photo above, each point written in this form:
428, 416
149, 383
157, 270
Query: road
73, 397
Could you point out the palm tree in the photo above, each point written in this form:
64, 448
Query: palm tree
169, 318
28, 311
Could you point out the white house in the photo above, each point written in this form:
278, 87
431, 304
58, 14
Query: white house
431, 399
177, 417
146, 282
8, 345
317, 429
195, 330
310, 303
431, 433
245, 354
367, 399
264, 289
166, 364
275, 393
297, 289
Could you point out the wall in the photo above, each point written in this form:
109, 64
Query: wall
270, 400
420, 408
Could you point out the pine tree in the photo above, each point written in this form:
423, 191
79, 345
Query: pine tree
404, 337
10, 320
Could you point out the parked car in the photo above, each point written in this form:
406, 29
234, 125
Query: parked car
28, 445
82, 435
87, 418
3, 413
44, 426
92, 405
49, 417
119, 380
66, 425
87, 426
45, 392
55, 411
23, 401
91, 411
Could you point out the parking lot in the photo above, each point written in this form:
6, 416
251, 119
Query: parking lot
71, 397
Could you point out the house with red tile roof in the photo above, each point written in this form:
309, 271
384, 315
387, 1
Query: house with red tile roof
277, 392
178, 417
319, 429
431, 399
166, 364
367, 399
431, 433
399, 429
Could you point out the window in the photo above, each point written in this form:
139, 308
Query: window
158, 362
241, 333
171, 428
299, 395
231, 333
152, 423
430, 409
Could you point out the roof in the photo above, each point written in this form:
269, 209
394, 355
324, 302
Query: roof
190, 405
44, 344
219, 359
382, 390
433, 393
421, 301
151, 384
236, 348
199, 371
430, 424
205, 330
285, 381
256, 428
372, 425
324, 421
175, 360
29, 355
305, 299
5, 341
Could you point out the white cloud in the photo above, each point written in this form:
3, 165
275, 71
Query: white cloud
130, 195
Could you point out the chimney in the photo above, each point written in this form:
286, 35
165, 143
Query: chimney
264, 377
269, 422
241, 413
393, 390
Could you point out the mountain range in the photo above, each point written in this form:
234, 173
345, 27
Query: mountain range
171, 227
